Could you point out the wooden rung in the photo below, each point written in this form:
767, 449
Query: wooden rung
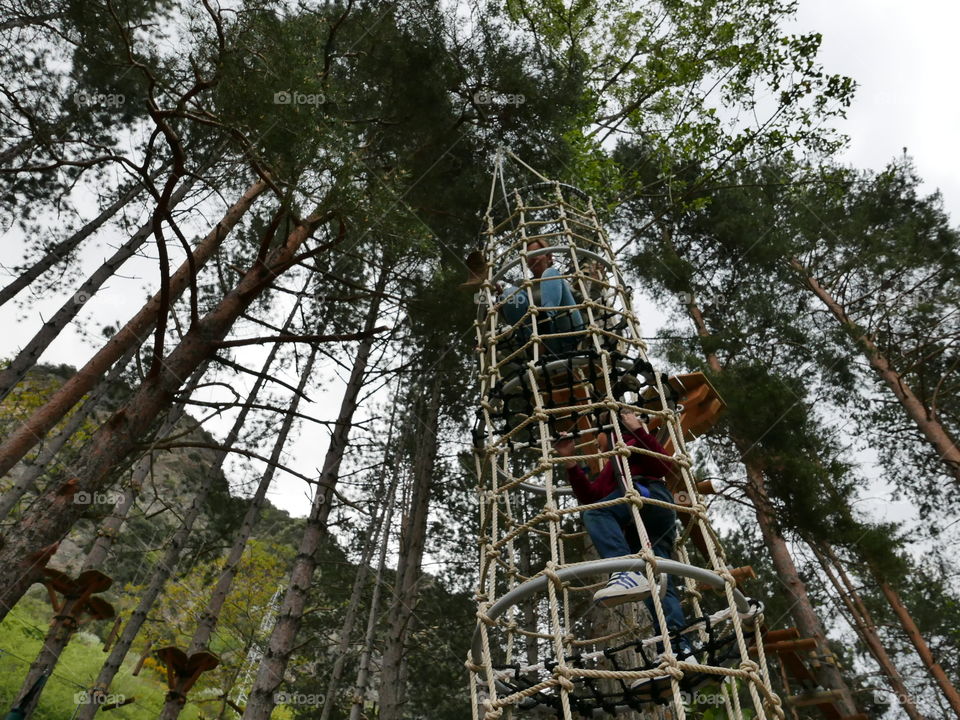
739, 575
743, 573
119, 704
113, 634
142, 660
817, 698
786, 646
783, 634
705, 487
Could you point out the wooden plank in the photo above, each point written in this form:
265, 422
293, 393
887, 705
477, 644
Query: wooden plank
772, 636
739, 575
816, 698
787, 646
796, 669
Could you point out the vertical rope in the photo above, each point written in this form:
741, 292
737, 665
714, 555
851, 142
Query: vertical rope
532, 389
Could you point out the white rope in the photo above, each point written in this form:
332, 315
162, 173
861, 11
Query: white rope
527, 534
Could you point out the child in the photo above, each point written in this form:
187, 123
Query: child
612, 530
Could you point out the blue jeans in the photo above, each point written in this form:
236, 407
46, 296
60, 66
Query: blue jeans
613, 534
554, 292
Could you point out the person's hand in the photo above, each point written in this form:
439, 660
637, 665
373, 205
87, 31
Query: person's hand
565, 447
631, 421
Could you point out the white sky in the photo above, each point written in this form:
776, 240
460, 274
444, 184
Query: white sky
904, 59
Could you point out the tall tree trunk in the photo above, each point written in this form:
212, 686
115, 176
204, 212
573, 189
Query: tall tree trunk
31, 431
30, 354
413, 537
926, 421
864, 625
801, 609
32, 472
65, 623
171, 558
57, 253
390, 457
274, 662
384, 518
923, 650
363, 671
211, 613
353, 605
56, 512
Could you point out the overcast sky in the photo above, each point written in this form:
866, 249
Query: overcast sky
903, 57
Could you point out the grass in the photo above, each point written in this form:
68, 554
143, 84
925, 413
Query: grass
21, 635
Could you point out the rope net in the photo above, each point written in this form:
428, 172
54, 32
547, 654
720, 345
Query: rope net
564, 362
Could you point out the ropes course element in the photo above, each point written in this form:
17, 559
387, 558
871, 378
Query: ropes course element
569, 394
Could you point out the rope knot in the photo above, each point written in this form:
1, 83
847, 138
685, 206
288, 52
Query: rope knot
727, 577
551, 573
563, 681
492, 712
752, 671
673, 671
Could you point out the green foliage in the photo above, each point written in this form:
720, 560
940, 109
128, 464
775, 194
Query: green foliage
31, 393
22, 633
173, 619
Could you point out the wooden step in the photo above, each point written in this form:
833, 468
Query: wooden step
787, 646
705, 487
814, 698
740, 574
773, 636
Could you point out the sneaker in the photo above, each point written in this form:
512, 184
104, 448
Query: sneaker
626, 587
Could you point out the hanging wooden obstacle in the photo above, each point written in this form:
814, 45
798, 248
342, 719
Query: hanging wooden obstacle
698, 403
183, 671
73, 599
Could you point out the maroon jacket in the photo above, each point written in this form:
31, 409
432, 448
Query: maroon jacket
606, 481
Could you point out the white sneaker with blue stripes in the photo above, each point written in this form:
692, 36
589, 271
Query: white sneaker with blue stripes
626, 587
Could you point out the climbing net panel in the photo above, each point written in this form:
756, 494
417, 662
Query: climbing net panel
561, 359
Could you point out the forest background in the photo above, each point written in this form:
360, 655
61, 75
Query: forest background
344, 150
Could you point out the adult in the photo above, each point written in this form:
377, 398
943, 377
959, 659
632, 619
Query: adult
551, 291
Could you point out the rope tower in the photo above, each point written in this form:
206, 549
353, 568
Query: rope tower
554, 369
